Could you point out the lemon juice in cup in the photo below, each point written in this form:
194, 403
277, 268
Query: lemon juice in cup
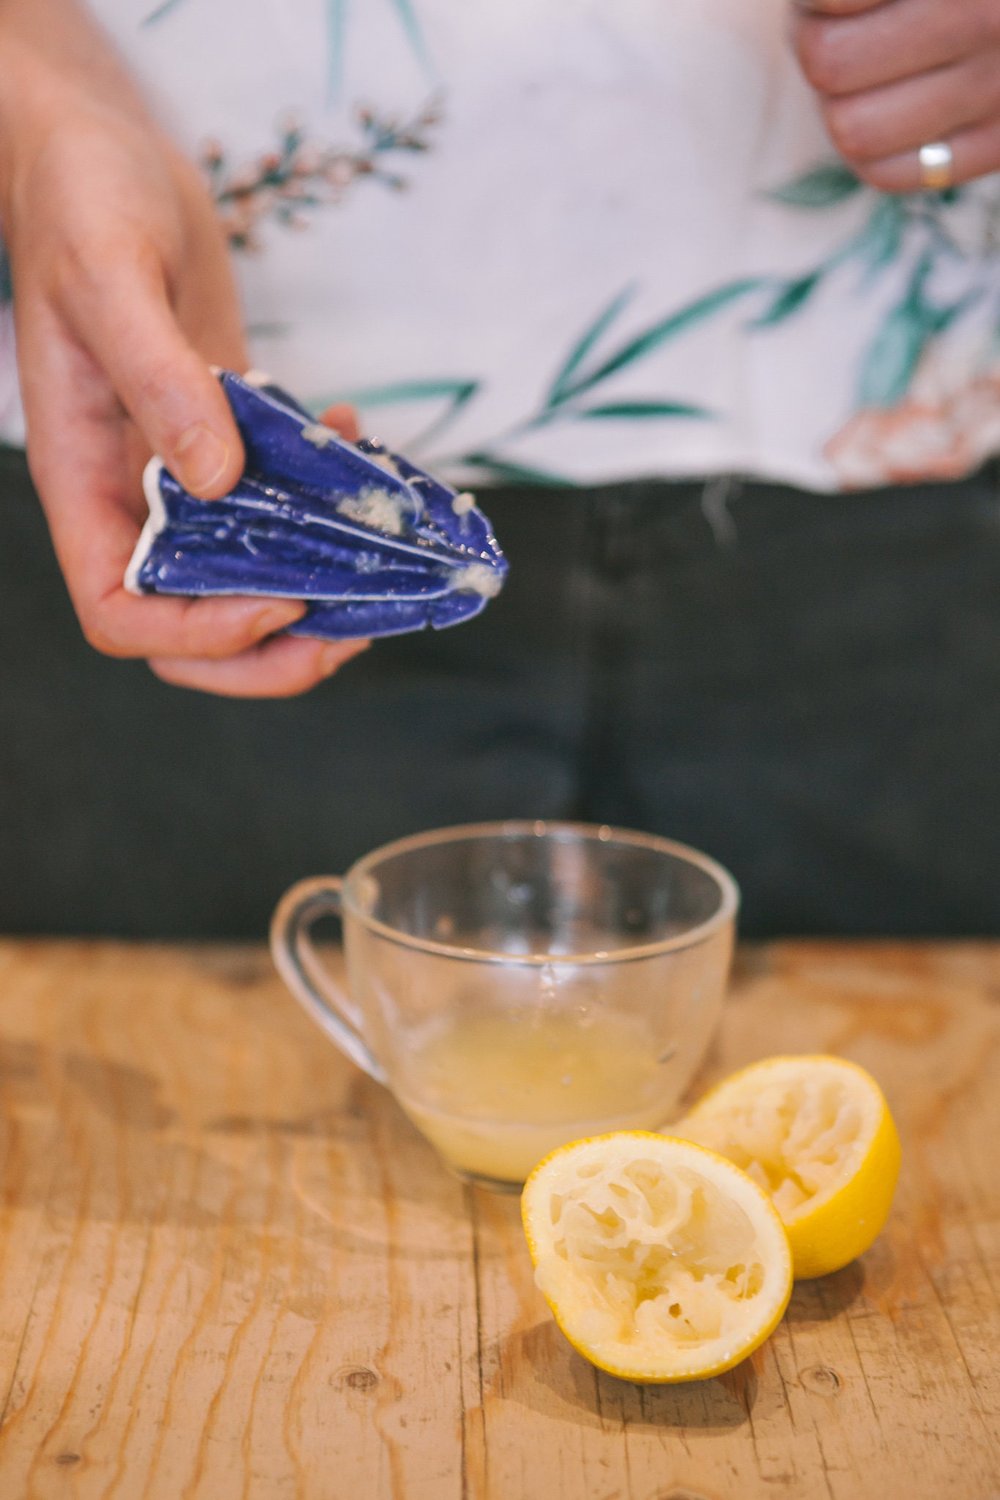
519, 985
496, 1089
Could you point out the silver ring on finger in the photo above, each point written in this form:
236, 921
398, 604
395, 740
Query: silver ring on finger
937, 165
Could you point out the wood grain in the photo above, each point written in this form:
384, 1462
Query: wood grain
230, 1268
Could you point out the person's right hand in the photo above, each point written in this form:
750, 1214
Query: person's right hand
123, 296
895, 75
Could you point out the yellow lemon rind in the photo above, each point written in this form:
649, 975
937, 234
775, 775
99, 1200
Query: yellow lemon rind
844, 1220
679, 1370
847, 1223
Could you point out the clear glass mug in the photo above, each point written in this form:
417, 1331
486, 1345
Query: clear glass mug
519, 985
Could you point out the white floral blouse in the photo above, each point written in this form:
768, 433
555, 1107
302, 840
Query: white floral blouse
575, 241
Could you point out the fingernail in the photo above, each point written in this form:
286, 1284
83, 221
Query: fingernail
336, 655
200, 458
278, 616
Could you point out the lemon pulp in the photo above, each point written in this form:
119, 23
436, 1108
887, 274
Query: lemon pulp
658, 1259
817, 1135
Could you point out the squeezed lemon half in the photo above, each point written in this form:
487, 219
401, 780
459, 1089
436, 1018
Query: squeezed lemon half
660, 1260
816, 1134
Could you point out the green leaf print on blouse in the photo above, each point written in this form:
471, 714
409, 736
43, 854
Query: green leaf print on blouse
908, 235
571, 392
300, 175
911, 229
893, 355
337, 24
158, 13
571, 381
921, 241
453, 393
829, 182
337, 18
787, 299
578, 379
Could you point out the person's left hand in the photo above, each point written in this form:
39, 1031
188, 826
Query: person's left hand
895, 75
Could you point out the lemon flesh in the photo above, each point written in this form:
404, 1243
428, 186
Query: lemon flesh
659, 1260
816, 1134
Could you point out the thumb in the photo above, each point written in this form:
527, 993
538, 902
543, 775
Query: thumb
343, 418
838, 7
165, 386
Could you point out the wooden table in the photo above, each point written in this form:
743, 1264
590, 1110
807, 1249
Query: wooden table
229, 1267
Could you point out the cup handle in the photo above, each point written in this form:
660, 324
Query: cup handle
299, 965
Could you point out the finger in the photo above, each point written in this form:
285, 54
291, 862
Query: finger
118, 305
86, 465
842, 7
343, 419
207, 303
976, 153
94, 536
844, 54
129, 625
903, 116
278, 669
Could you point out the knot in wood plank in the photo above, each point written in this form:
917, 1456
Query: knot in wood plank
821, 1379
359, 1378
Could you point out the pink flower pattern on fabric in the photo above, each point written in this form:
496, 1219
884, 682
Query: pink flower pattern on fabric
285, 184
919, 439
